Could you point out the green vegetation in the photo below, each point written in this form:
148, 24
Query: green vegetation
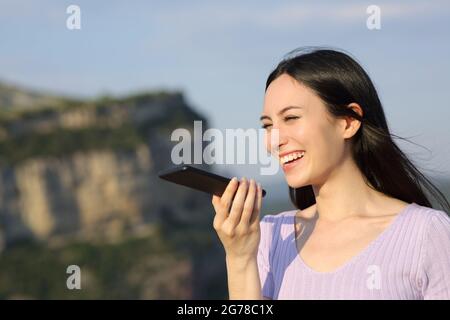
27, 142
152, 267
66, 141
137, 268
8, 113
157, 266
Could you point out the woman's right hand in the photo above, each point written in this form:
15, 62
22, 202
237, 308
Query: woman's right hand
237, 220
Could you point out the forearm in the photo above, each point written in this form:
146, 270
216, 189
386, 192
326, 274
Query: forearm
243, 279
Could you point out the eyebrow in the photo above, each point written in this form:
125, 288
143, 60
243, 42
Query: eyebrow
281, 111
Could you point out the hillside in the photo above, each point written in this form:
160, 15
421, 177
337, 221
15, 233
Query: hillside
79, 185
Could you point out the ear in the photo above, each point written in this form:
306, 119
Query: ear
350, 124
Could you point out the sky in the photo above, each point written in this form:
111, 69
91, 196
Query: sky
219, 53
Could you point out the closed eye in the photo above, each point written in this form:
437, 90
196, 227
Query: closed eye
287, 118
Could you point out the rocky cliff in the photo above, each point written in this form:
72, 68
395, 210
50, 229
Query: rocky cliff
86, 171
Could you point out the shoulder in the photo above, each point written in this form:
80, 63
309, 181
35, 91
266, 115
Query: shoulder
426, 216
273, 219
427, 223
434, 253
437, 222
271, 223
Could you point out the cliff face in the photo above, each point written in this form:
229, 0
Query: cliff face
80, 170
87, 171
13, 97
46, 197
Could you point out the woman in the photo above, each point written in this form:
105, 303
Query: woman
364, 228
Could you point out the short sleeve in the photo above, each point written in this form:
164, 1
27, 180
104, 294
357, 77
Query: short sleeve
436, 258
263, 258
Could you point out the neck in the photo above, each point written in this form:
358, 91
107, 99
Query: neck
345, 194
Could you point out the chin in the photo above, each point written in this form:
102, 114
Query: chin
296, 184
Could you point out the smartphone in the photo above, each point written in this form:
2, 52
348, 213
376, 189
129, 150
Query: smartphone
197, 179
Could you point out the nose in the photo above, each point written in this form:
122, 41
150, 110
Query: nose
278, 138
283, 138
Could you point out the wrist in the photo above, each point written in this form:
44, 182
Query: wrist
239, 263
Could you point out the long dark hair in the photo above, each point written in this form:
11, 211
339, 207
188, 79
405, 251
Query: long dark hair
339, 80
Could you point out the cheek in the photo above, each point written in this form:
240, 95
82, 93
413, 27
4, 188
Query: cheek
302, 137
329, 145
314, 139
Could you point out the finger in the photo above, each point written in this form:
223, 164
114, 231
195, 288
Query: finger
220, 215
221, 205
238, 203
215, 200
228, 194
249, 203
257, 207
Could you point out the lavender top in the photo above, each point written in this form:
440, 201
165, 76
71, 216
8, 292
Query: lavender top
410, 259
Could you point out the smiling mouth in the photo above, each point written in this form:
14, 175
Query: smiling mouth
288, 163
292, 157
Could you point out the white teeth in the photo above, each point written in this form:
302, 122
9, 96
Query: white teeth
291, 157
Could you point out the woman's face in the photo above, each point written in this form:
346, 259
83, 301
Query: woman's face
303, 125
